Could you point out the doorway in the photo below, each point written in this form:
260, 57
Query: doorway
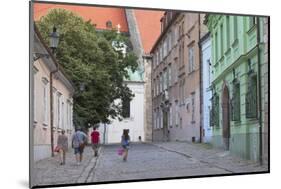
225, 117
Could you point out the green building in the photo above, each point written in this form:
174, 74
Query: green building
238, 83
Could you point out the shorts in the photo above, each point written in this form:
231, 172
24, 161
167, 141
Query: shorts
126, 147
78, 150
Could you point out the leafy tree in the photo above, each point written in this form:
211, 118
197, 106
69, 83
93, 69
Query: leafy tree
92, 63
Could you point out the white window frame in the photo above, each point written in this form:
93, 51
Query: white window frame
191, 65
35, 70
45, 102
169, 75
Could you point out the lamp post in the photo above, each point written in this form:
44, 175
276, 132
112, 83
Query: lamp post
54, 40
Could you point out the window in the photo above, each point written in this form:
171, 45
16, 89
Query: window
227, 33
182, 28
54, 106
63, 114
252, 21
176, 70
161, 83
177, 113
251, 94
45, 101
157, 85
222, 40
165, 48
35, 70
235, 32
215, 111
158, 57
180, 56
154, 88
180, 122
193, 107
169, 75
125, 107
181, 91
176, 36
191, 63
179, 31
216, 46
171, 117
165, 80
154, 119
235, 102
161, 119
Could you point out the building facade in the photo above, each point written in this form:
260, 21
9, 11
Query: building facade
176, 79
237, 101
206, 90
62, 101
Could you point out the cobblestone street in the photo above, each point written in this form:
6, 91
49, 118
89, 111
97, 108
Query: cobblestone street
157, 160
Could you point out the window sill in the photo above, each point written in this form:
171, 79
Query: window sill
251, 29
191, 72
235, 42
228, 51
45, 126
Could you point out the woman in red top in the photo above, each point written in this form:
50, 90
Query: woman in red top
95, 136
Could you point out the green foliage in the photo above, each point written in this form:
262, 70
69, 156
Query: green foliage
88, 58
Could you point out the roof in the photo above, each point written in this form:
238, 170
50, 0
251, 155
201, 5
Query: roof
149, 26
98, 15
148, 21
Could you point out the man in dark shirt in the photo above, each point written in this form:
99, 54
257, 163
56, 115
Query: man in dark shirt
95, 136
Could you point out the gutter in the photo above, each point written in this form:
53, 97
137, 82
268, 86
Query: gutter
200, 78
260, 93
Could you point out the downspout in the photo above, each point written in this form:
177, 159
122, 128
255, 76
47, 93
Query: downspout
51, 105
200, 79
260, 94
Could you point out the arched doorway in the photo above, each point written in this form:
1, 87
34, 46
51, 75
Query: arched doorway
225, 117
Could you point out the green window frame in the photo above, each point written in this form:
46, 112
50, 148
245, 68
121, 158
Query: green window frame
251, 96
235, 102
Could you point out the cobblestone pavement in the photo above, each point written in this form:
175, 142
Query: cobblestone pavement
49, 171
173, 159
145, 161
204, 153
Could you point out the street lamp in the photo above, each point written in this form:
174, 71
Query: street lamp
54, 39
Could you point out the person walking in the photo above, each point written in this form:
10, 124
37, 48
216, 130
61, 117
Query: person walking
62, 144
95, 138
125, 142
78, 143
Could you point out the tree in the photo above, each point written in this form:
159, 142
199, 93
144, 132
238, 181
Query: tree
91, 62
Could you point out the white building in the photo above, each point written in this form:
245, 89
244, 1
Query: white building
134, 122
206, 77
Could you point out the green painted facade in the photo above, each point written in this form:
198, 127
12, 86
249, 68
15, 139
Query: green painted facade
235, 67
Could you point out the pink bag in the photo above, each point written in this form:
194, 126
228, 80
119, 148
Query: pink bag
120, 151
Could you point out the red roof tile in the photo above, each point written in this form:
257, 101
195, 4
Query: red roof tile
149, 27
98, 15
148, 20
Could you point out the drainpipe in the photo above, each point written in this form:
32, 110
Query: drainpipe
51, 105
260, 93
200, 79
